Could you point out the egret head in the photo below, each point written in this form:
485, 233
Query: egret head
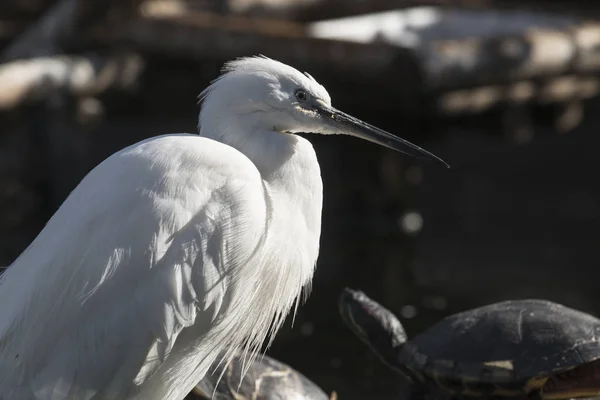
264, 94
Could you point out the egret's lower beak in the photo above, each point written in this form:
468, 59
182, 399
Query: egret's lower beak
347, 124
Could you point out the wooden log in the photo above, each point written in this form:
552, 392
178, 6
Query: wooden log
37, 79
536, 54
204, 36
314, 10
559, 90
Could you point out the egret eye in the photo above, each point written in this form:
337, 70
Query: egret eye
301, 95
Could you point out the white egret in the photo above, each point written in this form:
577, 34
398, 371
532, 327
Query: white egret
176, 248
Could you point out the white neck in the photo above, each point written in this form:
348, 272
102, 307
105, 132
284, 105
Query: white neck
268, 150
291, 174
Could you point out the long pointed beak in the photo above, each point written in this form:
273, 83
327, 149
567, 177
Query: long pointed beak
355, 127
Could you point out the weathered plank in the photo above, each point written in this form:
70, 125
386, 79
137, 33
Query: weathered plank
26, 81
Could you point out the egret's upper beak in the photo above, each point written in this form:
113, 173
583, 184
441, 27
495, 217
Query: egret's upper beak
353, 126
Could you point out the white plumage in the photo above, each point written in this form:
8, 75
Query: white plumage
175, 249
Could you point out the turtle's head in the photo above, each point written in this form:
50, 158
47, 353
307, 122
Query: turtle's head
374, 324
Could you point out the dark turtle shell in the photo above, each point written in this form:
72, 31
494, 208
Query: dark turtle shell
506, 343
266, 379
507, 348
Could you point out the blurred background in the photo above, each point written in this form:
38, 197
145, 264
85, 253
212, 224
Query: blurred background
505, 91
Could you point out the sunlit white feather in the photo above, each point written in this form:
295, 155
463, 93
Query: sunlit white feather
170, 251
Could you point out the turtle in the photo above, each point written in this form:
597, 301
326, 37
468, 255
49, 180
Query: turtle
266, 379
529, 348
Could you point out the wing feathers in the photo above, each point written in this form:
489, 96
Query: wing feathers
125, 266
